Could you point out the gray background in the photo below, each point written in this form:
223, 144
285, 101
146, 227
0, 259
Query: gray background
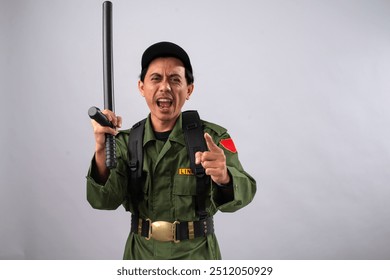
302, 86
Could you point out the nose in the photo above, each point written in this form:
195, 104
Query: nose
165, 86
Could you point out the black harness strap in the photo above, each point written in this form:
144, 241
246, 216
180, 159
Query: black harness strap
195, 142
135, 150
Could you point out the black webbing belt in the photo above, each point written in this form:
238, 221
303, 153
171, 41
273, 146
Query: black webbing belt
184, 230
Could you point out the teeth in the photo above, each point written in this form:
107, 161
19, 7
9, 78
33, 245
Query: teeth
164, 102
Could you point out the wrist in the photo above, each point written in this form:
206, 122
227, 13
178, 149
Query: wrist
100, 149
227, 182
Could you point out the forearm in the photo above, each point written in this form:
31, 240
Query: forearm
111, 193
240, 194
225, 192
101, 171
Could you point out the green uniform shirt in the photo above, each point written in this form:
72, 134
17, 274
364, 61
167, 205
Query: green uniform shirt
168, 193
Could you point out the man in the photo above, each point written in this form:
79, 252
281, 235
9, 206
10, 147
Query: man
165, 221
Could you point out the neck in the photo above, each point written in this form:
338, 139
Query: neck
160, 125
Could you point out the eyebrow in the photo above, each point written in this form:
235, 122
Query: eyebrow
170, 76
175, 75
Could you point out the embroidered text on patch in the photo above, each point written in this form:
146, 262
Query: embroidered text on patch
185, 171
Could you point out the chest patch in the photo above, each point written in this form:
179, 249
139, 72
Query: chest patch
185, 171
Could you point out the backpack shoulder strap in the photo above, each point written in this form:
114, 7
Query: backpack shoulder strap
195, 142
135, 151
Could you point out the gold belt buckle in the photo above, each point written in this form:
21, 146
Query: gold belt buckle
163, 231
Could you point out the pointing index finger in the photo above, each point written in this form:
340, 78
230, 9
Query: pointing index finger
210, 143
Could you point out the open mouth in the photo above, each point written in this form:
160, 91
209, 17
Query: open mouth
164, 103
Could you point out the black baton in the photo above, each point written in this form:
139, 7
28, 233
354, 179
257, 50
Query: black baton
108, 84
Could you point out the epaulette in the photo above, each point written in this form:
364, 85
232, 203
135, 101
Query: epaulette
219, 130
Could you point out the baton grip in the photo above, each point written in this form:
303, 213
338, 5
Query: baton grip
110, 151
95, 114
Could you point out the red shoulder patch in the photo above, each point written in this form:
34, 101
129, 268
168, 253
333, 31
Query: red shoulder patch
228, 144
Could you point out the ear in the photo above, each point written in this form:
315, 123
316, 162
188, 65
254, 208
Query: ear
141, 87
190, 89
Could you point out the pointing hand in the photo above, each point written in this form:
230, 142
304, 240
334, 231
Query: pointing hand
214, 162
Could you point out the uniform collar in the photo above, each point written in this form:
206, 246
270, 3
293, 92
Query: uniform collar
175, 136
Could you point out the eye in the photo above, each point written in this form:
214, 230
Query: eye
175, 79
155, 78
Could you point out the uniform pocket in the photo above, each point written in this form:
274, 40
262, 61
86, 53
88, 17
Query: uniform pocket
184, 194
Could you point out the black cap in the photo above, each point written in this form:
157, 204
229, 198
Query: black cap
165, 49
